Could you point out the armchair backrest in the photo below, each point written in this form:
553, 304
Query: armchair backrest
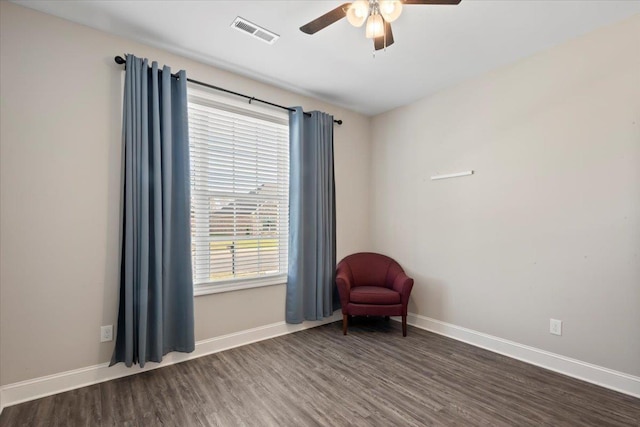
370, 269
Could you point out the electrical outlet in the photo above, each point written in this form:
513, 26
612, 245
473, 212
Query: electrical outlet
555, 327
106, 333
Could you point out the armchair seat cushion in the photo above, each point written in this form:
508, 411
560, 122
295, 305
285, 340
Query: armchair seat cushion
374, 295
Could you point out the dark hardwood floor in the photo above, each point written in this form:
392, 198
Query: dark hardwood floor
318, 377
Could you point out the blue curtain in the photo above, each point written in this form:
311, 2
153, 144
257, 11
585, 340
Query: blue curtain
156, 292
312, 218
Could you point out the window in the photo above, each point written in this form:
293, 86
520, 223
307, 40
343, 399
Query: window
239, 193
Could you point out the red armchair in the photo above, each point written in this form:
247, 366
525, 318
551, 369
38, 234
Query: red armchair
372, 284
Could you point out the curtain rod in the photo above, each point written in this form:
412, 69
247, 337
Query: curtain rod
120, 60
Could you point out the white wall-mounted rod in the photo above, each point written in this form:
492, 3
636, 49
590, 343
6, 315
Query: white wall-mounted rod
451, 175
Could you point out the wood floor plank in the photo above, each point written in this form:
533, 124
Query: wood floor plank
319, 377
41, 414
116, 401
82, 408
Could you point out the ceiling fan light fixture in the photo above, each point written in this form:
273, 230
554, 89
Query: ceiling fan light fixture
375, 26
378, 15
357, 13
390, 10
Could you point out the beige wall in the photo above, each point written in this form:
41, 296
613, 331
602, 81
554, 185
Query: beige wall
549, 226
60, 157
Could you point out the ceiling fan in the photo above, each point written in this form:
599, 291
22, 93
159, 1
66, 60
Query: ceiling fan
378, 15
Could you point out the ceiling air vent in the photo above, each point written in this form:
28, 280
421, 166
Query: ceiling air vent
252, 29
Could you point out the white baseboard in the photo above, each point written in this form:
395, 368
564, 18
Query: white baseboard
614, 380
36, 388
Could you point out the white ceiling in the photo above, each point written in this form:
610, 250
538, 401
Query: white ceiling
435, 46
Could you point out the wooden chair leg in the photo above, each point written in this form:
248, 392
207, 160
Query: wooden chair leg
345, 322
404, 325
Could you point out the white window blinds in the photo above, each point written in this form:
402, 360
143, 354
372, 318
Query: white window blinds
239, 193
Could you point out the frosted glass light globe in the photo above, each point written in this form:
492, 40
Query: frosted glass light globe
375, 27
357, 13
390, 10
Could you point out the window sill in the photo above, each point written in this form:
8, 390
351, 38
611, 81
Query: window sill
216, 288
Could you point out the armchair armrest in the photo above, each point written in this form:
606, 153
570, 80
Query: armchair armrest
403, 284
344, 289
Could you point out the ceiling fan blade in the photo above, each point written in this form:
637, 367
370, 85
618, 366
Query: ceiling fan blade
431, 1
325, 20
379, 42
